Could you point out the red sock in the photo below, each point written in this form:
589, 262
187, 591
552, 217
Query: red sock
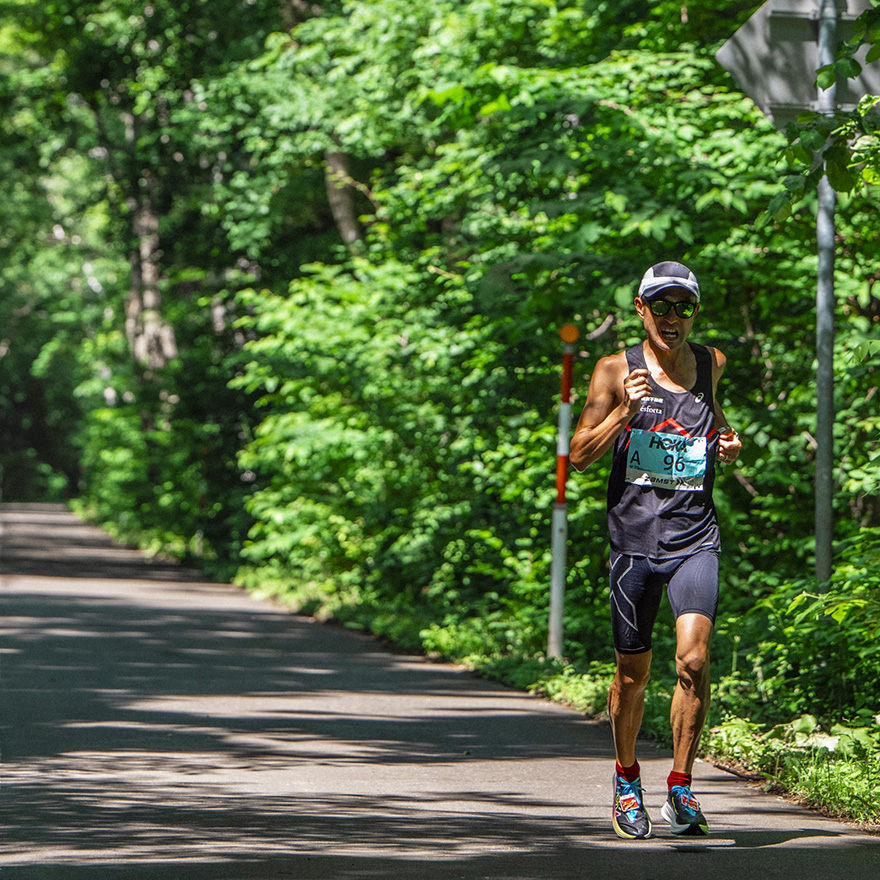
630, 774
678, 779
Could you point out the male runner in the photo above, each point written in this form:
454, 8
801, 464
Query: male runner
656, 405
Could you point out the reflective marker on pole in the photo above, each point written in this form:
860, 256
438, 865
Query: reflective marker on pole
569, 334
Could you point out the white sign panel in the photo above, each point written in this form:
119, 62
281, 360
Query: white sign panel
774, 57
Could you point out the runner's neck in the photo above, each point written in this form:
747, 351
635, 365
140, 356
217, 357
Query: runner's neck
673, 370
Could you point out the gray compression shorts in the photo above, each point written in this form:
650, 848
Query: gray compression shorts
637, 588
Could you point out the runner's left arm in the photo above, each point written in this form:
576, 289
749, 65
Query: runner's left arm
729, 444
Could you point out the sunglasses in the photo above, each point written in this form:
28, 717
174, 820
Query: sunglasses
660, 307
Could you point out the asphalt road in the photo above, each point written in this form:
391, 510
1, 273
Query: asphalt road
155, 726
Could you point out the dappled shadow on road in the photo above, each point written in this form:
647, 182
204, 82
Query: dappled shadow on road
47, 540
107, 828
251, 682
163, 726
178, 666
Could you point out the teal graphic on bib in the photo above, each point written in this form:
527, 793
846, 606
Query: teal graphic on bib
666, 461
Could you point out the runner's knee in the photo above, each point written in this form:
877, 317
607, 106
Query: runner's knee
691, 664
633, 671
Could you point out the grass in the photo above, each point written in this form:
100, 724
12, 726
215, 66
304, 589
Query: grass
836, 773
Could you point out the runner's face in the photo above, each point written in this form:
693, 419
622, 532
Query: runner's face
667, 332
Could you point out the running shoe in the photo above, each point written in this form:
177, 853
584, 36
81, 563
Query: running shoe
682, 812
629, 816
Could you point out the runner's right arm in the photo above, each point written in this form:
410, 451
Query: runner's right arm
613, 398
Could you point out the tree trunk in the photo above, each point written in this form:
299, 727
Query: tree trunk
341, 195
293, 12
150, 338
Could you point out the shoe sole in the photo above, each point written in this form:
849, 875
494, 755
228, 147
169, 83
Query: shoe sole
627, 836
677, 828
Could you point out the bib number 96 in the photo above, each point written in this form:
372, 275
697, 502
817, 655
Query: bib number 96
666, 461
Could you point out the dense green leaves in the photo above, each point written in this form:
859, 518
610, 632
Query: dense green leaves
534, 196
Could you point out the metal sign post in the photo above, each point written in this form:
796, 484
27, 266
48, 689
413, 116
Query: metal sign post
774, 57
559, 546
825, 324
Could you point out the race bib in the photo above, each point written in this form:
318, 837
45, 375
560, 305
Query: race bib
666, 461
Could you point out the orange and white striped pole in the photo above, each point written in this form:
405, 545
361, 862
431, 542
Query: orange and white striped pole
569, 335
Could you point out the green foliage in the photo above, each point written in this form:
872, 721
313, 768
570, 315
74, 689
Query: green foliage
504, 212
372, 471
836, 772
811, 653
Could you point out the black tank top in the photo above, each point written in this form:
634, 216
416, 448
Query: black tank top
663, 470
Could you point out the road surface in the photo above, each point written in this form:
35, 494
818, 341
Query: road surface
156, 726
